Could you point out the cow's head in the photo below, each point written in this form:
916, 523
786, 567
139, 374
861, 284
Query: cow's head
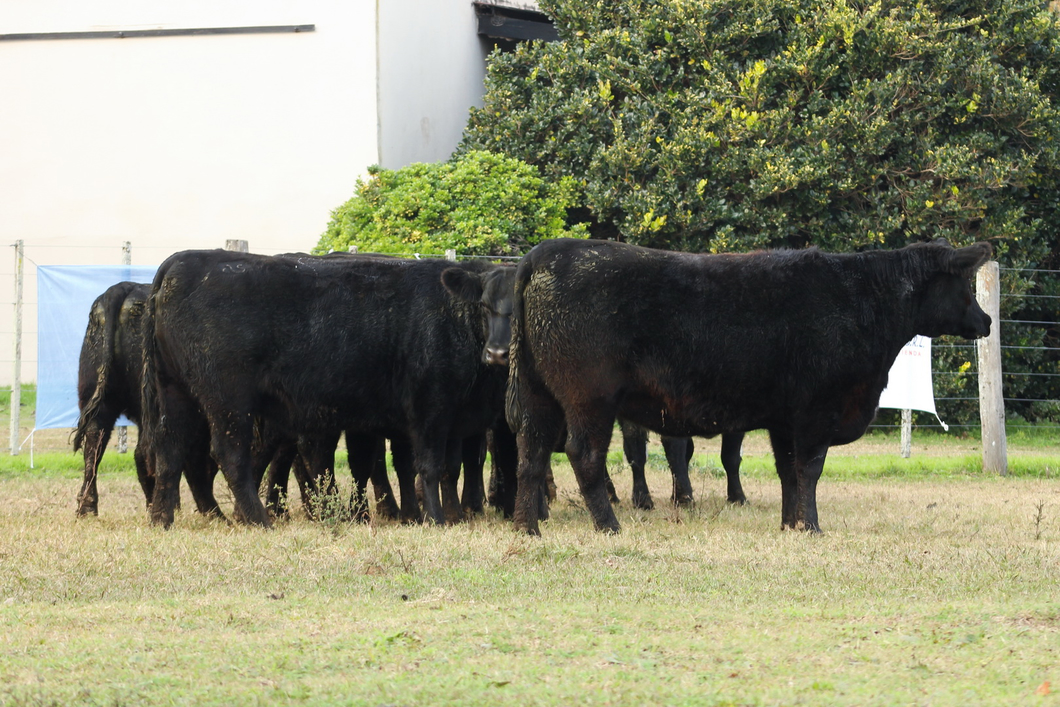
494, 290
947, 304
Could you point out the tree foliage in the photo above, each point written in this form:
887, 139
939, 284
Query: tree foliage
478, 203
722, 125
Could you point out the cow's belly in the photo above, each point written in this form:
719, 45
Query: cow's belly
677, 417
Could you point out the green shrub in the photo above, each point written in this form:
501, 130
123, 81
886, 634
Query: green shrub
734, 125
478, 203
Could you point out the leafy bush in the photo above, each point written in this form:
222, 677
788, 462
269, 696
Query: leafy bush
733, 125
479, 203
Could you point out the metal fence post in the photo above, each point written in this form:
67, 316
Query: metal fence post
16, 378
991, 395
123, 430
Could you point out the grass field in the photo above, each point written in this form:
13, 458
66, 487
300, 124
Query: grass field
933, 584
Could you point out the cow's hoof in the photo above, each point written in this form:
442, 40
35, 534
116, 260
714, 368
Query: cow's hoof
164, 520
387, 510
527, 527
643, 501
802, 526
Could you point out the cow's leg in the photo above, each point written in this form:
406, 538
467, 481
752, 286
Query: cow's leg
145, 472
609, 484
420, 502
784, 457
504, 459
540, 425
550, 489
496, 488
262, 450
200, 477
588, 438
278, 476
362, 451
93, 444
385, 504
799, 468
474, 458
169, 460
231, 440
320, 492
547, 493
167, 445
635, 445
199, 467
809, 463
401, 452
448, 481
308, 486
429, 458
731, 448
678, 454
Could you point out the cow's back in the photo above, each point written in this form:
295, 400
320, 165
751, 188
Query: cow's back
315, 342
693, 344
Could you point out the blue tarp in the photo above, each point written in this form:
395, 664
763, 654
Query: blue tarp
65, 294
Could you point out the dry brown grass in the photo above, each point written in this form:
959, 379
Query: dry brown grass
919, 592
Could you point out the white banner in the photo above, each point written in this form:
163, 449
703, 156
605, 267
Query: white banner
909, 382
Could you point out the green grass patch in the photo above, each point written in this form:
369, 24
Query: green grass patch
920, 590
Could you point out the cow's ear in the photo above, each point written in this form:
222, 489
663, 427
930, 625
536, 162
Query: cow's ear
462, 284
968, 260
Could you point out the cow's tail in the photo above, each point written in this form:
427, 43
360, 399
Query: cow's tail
151, 415
111, 303
521, 362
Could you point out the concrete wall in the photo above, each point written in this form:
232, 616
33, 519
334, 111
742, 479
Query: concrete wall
176, 142
431, 71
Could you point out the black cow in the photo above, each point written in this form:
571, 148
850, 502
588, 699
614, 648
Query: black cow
796, 342
316, 346
108, 386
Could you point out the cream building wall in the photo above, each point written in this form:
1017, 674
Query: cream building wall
182, 142
424, 96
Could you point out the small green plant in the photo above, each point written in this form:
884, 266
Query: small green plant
478, 203
326, 504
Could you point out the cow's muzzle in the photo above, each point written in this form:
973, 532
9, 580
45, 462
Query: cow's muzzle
496, 356
978, 328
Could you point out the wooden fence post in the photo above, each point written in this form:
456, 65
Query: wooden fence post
450, 254
16, 378
991, 395
907, 434
240, 246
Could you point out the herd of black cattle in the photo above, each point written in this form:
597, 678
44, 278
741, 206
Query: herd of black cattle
255, 365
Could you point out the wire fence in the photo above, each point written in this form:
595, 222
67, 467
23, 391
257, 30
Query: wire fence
1032, 397
1028, 338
